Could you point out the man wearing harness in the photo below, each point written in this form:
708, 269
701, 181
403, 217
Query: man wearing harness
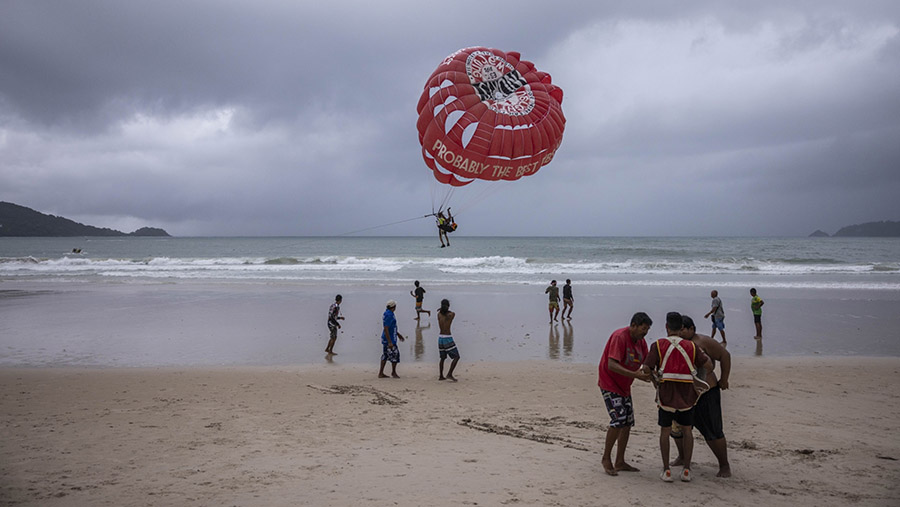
674, 360
445, 225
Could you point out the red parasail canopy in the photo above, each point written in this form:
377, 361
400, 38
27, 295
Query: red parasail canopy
489, 115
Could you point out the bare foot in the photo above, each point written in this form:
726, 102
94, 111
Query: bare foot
724, 343
382, 375
609, 468
724, 472
451, 378
394, 375
441, 378
677, 462
625, 467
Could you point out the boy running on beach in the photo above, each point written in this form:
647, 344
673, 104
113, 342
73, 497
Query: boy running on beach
446, 345
419, 294
334, 315
389, 335
553, 290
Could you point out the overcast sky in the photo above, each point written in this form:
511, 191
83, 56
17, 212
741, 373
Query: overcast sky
299, 117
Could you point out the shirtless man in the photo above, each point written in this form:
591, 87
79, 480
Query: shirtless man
708, 411
553, 290
446, 345
568, 300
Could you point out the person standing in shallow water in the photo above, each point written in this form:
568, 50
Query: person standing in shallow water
568, 300
334, 315
718, 316
389, 335
446, 345
553, 290
756, 304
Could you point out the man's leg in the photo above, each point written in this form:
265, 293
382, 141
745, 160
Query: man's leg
394, 370
452, 367
719, 448
664, 433
687, 441
612, 436
381, 371
620, 451
441, 377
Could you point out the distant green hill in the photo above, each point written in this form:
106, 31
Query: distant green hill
18, 220
881, 229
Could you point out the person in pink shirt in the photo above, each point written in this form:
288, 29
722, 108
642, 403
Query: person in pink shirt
619, 366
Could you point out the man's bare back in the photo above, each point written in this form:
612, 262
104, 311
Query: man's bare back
444, 321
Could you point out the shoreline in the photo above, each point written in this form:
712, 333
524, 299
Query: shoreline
526, 432
198, 324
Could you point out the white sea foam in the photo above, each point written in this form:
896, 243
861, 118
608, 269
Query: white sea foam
474, 269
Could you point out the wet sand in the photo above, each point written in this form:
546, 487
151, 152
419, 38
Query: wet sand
151, 324
801, 432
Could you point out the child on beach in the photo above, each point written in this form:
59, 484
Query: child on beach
419, 294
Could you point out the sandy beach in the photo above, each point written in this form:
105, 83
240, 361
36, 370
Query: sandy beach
801, 431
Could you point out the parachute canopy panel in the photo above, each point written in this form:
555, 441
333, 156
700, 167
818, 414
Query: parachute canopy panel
486, 114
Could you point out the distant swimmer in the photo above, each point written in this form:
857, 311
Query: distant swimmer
76, 250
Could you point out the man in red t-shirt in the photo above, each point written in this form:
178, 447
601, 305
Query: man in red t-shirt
619, 366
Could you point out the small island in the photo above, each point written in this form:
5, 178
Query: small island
882, 229
16, 220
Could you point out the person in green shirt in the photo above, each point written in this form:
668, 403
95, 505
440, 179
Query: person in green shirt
756, 304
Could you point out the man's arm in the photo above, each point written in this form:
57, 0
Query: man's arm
387, 332
616, 367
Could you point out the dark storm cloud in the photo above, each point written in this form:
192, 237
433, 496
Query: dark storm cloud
299, 117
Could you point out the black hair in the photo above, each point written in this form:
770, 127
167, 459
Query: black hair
641, 319
417, 283
338, 297
445, 306
674, 321
753, 291
687, 322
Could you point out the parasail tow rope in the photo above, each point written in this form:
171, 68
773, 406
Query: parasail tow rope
386, 225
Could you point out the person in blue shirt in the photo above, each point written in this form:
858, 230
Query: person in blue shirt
389, 335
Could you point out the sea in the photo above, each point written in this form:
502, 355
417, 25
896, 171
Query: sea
814, 263
148, 302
